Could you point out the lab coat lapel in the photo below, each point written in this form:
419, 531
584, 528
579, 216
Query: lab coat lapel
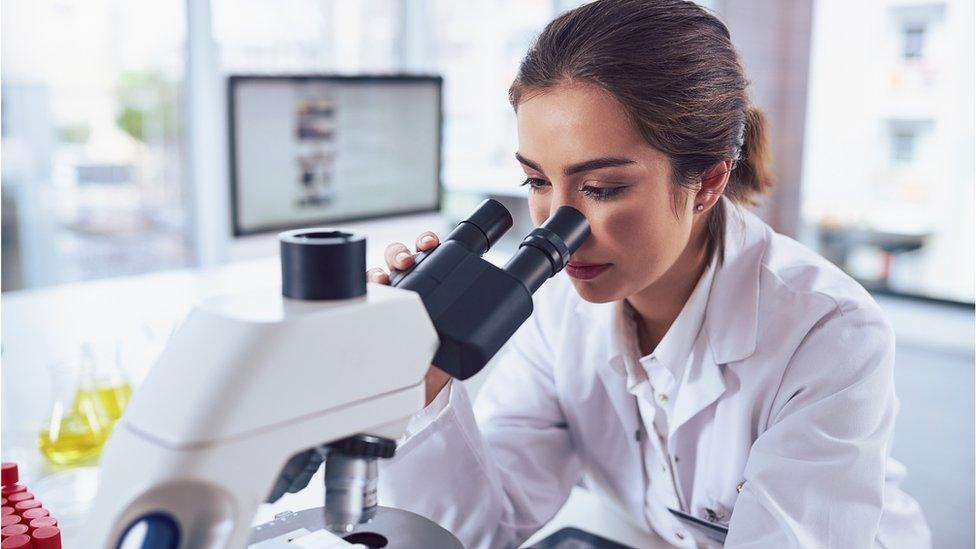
624, 403
703, 384
730, 327
603, 354
732, 314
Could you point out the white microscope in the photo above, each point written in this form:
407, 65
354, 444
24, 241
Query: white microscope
326, 364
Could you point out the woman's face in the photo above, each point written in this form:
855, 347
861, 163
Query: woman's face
579, 148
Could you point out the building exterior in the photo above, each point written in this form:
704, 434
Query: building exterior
888, 154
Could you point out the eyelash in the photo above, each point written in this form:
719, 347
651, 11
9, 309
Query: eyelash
597, 193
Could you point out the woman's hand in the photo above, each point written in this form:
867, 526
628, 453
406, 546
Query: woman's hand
399, 257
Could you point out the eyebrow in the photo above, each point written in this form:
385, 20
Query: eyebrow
589, 165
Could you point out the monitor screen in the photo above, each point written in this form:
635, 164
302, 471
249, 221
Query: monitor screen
316, 150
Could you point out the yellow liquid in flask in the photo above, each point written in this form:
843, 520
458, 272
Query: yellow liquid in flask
75, 436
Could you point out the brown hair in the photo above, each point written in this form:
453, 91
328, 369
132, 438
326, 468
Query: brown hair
671, 64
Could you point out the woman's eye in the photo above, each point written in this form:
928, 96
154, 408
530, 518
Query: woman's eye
534, 183
602, 193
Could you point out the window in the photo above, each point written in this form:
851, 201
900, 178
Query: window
92, 183
902, 146
887, 189
912, 41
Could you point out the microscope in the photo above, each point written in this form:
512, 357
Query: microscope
326, 364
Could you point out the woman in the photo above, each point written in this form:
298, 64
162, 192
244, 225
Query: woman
690, 357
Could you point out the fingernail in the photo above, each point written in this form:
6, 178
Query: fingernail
427, 239
401, 257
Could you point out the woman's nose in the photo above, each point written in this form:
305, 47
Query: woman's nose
562, 197
556, 204
557, 198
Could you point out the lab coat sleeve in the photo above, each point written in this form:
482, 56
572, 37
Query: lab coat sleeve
493, 485
815, 476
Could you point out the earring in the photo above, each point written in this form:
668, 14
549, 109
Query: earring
699, 207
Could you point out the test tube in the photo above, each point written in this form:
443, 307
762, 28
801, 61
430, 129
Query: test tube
14, 530
9, 489
14, 499
47, 537
7, 520
21, 541
36, 513
41, 523
8, 473
22, 506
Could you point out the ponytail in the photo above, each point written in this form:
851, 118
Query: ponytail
751, 175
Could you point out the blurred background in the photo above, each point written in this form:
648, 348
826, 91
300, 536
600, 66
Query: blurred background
115, 155
134, 166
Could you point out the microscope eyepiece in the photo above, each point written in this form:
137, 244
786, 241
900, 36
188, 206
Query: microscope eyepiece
482, 229
546, 250
570, 226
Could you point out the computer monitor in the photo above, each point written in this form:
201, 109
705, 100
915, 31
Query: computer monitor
319, 150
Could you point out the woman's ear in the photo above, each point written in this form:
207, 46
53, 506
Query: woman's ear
713, 183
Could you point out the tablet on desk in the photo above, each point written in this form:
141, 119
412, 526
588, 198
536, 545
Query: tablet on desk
701, 527
574, 538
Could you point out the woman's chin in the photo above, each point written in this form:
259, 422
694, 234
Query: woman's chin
595, 292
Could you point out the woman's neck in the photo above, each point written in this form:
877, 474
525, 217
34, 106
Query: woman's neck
658, 305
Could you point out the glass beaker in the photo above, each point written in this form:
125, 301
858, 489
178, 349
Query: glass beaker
81, 414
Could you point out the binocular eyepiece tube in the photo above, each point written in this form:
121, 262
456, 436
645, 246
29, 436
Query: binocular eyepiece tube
476, 306
542, 254
482, 229
546, 250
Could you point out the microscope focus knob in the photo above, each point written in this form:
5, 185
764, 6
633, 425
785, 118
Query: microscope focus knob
365, 446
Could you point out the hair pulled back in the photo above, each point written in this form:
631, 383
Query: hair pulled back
673, 67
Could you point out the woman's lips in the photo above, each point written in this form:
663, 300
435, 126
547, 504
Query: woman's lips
583, 271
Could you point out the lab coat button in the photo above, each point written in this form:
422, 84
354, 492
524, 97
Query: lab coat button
663, 397
679, 535
739, 487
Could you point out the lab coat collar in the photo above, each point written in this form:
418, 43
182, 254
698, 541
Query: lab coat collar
673, 350
676, 346
732, 314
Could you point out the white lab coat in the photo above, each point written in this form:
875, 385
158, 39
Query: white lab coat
783, 420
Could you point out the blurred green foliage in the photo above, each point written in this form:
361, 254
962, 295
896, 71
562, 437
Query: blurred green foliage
148, 106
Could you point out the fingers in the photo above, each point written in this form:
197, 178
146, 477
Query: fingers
426, 241
398, 256
377, 275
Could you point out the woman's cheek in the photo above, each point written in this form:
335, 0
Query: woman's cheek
626, 230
